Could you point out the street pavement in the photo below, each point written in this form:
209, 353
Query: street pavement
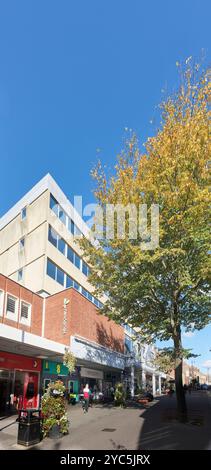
134, 428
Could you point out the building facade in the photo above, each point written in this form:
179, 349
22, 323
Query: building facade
34, 332
141, 373
38, 242
47, 302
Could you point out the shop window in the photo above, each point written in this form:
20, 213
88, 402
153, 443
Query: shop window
30, 391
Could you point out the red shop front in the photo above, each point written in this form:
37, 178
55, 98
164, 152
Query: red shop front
19, 382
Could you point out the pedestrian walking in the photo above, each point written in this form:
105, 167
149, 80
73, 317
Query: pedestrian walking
86, 394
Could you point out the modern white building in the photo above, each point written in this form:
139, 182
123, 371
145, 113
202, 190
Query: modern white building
141, 372
39, 250
38, 242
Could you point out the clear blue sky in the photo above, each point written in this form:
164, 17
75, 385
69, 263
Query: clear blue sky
74, 74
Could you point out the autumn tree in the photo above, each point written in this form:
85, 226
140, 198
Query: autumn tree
165, 289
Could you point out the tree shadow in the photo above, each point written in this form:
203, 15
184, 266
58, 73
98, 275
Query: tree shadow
162, 431
106, 338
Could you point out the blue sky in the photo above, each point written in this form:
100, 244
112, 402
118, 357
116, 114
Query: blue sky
74, 74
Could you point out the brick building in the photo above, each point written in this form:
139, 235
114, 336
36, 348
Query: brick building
34, 332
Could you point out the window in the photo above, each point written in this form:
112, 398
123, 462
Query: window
60, 276
84, 292
69, 282
77, 231
23, 213
52, 236
20, 274
77, 261
12, 307
54, 205
71, 226
70, 254
62, 216
61, 245
1, 302
25, 313
76, 286
51, 269
85, 268
90, 296
21, 243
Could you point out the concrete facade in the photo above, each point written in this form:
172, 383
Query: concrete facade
33, 228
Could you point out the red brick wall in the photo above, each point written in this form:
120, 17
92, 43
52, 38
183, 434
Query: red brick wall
54, 314
13, 288
83, 319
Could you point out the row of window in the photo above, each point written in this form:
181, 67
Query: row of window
61, 214
67, 251
12, 308
66, 281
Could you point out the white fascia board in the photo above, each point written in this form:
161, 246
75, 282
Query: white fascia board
23, 337
46, 183
151, 370
29, 197
97, 346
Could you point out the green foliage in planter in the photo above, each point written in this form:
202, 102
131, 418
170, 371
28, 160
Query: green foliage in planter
54, 409
119, 395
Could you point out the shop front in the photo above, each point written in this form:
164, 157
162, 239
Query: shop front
92, 377
99, 381
19, 382
52, 371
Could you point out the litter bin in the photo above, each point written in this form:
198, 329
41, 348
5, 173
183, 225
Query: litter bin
29, 427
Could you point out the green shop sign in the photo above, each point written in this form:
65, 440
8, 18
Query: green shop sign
56, 368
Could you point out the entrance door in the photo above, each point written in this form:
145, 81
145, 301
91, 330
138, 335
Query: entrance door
26, 390
5, 391
31, 398
73, 387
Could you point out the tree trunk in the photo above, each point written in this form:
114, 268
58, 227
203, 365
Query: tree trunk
180, 394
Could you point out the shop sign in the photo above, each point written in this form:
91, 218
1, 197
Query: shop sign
55, 368
92, 374
16, 361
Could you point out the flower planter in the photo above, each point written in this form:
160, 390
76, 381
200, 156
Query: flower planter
55, 432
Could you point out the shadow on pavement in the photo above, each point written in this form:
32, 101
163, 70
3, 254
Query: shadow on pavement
161, 429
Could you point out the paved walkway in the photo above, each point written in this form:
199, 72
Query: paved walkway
133, 428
